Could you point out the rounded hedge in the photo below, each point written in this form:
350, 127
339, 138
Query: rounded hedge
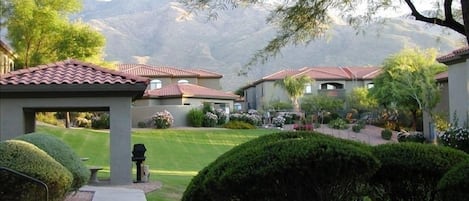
63, 154
287, 166
411, 171
28, 159
454, 186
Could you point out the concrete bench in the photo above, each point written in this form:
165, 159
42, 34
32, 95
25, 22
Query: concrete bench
94, 174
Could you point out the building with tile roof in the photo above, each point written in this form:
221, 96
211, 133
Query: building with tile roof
7, 57
71, 86
332, 81
458, 83
177, 91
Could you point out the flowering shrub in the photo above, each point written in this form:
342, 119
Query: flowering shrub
222, 117
163, 119
210, 120
278, 121
456, 137
251, 118
338, 124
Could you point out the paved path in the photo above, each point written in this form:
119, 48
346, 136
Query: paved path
370, 134
102, 193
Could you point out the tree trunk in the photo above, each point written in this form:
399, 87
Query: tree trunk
67, 119
414, 120
465, 16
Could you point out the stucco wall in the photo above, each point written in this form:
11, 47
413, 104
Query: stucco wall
143, 114
458, 81
213, 83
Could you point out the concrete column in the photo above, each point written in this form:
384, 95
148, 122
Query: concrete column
120, 141
29, 121
11, 119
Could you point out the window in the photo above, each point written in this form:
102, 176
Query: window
308, 89
155, 84
183, 82
370, 85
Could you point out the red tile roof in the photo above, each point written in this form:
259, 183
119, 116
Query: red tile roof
188, 90
455, 56
327, 73
442, 76
68, 72
7, 48
165, 71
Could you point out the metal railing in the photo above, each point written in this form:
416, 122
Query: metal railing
27, 177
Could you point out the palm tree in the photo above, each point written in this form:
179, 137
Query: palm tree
295, 87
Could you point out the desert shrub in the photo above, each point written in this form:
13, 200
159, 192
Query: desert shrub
100, 121
386, 134
162, 119
338, 124
411, 137
455, 183
455, 137
28, 159
356, 128
195, 117
141, 124
63, 154
238, 125
287, 166
411, 171
49, 118
210, 120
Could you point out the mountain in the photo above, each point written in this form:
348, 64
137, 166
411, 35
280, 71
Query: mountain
162, 33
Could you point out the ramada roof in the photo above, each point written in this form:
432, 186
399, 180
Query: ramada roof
188, 90
165, 71
327, 73
456, 56
72, 77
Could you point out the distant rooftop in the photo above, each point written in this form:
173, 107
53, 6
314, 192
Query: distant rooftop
165, 71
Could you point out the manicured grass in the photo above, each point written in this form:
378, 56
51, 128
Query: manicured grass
174, 155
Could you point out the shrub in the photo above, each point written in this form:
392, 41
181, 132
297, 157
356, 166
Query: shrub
163, 119
101, 121
455, 183
210, 120
48, 117
252, 118
278, 121
338, 124
286, 166
411, 171
456, 137
222, 117
386, 134
238, 125
141, 124
356, 128
195, 117
63, 154
28, 159
303, 127
411, 137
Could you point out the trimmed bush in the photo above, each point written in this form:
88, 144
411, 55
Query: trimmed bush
63, 154
386, 134
455, 137
195, 117
101, 121
287, 166
411, 171
238, 125
455, 183
28, 159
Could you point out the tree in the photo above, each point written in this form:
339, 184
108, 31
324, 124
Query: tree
295, 88
302, 21
359, 99
408, 80
40, 32
319, 103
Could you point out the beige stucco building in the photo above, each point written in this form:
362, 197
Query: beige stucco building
458, 84
7, 58
332, 81
177, 91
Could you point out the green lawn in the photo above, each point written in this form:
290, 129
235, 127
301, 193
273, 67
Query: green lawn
174, 155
